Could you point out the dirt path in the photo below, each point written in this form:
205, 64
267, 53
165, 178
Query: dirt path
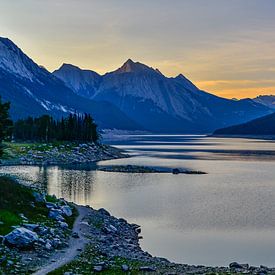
75, 245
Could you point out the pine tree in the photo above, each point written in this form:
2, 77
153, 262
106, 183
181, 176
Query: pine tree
5, 124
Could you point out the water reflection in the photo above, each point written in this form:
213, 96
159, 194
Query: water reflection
224, 216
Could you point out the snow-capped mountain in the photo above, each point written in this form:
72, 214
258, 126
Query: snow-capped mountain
163, 104
32, 90
267, 100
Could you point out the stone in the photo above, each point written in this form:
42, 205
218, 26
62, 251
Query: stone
125, 268
104, 212
147, 269
175, 171
63, 225
237, 265
39, 197
75, 235
56, 214
48, 245
22, 238
98, 268
31, 226
50, 205
67, 211
113, 228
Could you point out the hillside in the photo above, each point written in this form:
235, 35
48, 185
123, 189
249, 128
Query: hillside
261, 126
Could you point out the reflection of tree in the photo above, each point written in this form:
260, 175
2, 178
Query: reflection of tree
42, 178
76, 185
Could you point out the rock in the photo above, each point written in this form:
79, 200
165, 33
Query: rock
21, 237
50, 205
56, 242
175, 171
113, 228
66, 210
125, 268
238, 266
75, 235
48, 245
39, 197
147, 269
22, 216
104, 212
98, 268
138, 230
31, 226
56, 215
63, 225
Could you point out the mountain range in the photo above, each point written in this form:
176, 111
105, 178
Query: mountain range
133, 97
32, 90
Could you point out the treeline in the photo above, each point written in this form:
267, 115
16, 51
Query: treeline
47, 129
5, 123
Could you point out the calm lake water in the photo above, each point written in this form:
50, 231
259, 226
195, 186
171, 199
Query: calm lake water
213, 219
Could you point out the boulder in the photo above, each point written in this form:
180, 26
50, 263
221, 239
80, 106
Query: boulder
104, 212
50, 205
31, 226
39, 197
21, 237
63, 225
98, 268
56, 214
67, 211
147, 269
175, 171
238, 266
125, 268
75, 235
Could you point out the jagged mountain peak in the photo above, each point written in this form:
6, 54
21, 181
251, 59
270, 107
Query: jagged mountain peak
134, 67
13, 60
185, 82
67, 66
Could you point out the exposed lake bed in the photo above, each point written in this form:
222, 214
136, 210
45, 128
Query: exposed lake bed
223, 216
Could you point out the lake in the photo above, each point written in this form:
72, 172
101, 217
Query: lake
225, 215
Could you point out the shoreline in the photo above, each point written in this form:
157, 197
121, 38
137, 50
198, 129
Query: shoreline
99, 242
263, 137
114, 246
50, 154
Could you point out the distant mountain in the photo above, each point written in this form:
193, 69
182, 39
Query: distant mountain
32, 90
260, 126
267, 100
159, 103
83, 82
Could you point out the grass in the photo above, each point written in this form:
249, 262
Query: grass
16, 199
14, 150
85, 263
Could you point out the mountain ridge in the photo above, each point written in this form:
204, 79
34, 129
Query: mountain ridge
135, 96
149, 97
33, 90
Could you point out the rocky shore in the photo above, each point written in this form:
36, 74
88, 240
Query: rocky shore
58, 153
92, 242
146, 169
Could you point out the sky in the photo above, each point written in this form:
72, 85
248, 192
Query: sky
226, 47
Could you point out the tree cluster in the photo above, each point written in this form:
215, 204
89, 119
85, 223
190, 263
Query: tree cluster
5, 124
47, 129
